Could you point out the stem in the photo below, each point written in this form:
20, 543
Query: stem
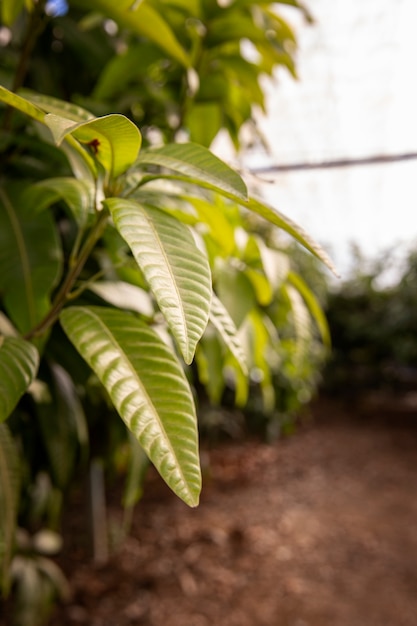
64, 291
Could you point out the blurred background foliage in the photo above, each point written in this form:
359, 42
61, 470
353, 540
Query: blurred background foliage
181, 71
373, 321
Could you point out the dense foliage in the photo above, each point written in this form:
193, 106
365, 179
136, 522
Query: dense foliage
373, 328
123, 257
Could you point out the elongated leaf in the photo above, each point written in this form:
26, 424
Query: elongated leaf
138, 466
77, 194
148, 388
195, 164
114, 139
302, 324
282, 221
30, 261
63, 425
62, 108
209, 360
9, 497
222, 321
313, 306
141, 19
19, 362
23, 105
176, 270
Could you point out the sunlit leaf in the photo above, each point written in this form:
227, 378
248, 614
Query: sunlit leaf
62, 108
178, 273
22, 104
143, 20
211, 113
19, 362
195, 164
114, 139
147, 386
282, 221
313, 306
302, 324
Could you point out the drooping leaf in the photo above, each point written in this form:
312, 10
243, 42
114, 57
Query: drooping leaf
195, 164
282, 221
79, 196
302, 324
19, 362
178, 273
22, 104
143, 20
63, 425
222, 321
313, 306
62, 108
147, 386
209, 360
114, 140
30, 260
138, 466
9, 497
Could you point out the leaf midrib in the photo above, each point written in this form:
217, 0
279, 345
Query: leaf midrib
180, 303
115, 343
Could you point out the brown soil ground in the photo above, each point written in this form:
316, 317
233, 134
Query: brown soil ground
318, 529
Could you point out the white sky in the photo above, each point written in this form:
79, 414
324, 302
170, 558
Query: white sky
357, 96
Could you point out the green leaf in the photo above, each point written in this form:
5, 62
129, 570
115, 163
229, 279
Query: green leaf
138, 466
302, 324
282, 221
63, 425
9, 498
211, 113
62, 108
19, 362
22, 104
224, 324
178, 273
30, 261
195, 164
236, 292
141, 19
148, 388
115, 141
78, 195
210, 361
313, 306
213, 215
124, 296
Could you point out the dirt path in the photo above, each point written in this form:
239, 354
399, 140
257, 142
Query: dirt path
317, 530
